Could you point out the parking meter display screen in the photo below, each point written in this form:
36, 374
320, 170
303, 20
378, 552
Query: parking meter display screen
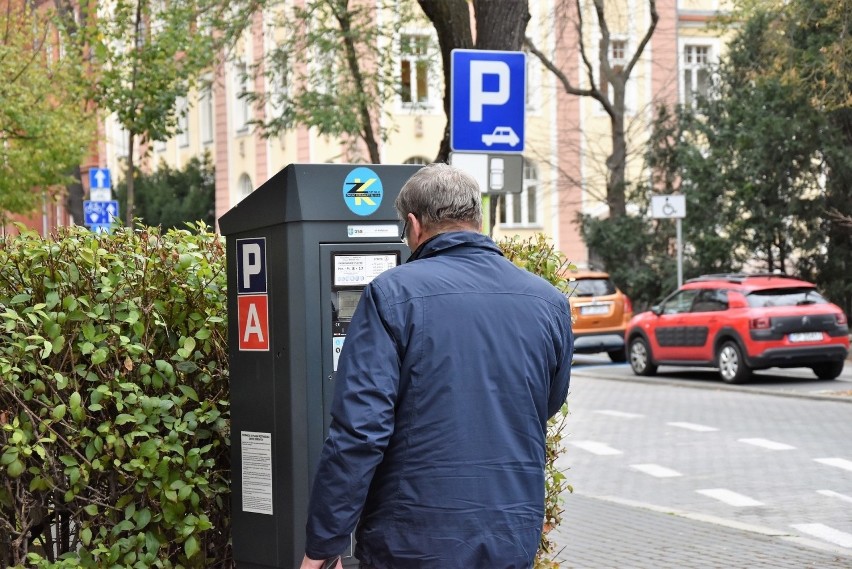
351, 272
347, 300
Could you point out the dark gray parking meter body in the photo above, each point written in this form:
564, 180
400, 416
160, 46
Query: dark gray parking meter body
300, 250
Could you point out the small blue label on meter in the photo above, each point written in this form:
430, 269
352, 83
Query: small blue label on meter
362, 191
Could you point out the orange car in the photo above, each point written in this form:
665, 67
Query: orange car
600, 313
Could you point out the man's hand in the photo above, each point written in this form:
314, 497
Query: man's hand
308, 563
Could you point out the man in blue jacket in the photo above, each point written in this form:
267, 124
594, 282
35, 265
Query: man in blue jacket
452, 365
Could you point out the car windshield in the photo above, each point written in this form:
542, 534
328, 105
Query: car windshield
593, 287
784, 297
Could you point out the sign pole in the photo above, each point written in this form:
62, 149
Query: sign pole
679, 255
670, 206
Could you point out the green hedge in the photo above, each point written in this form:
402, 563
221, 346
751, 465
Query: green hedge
539, 256
114, 430
114, 400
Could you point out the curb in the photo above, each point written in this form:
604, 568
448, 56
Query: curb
715, 387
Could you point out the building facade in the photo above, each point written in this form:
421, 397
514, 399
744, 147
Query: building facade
568, 137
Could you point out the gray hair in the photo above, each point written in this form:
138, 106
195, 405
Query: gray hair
441, 197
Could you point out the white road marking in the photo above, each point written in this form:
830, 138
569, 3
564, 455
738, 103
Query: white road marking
730, 498
838, 462
694, 427
656, 470
596, 447
621, 414
765, 443
833, 494
827, 533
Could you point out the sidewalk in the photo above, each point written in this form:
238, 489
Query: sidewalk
603, 533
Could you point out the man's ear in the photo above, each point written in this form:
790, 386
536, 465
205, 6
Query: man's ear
415, 230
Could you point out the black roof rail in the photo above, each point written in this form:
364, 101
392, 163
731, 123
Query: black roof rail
734, 277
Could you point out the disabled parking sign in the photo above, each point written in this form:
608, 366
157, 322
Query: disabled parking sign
488, 91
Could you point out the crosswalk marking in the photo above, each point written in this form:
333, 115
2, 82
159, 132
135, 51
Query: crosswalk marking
622, 414
693, 427
596, 447
765, 443
656, 470
838, 462
729, 497
833, 494
827, 533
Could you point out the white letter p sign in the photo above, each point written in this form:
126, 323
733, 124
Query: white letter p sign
252, 263
478, 97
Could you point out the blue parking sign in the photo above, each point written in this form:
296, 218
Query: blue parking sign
488, 91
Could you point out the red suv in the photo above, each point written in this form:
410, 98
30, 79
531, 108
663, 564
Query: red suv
739, 323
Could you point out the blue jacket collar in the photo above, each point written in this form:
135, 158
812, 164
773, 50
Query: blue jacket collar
443, 242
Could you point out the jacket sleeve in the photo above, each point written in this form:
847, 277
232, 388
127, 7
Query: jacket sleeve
562, 377
362, 423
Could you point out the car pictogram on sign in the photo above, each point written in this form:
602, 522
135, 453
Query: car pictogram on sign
501, 135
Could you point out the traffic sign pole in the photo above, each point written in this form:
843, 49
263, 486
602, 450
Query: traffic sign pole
667, 207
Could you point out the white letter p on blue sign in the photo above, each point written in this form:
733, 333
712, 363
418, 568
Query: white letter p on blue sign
479, 97
251, 265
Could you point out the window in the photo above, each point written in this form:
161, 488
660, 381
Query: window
279, 76
696, 72
617, 61
593, 287
205, 109
182, 110
680, 302
793, 296
325, 71
244, 186
532, 95
414, 69
711, 300
522, 208
241, 104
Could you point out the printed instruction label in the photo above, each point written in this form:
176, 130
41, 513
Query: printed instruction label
359, 270
256, 449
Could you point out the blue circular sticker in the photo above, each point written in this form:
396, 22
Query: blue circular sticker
362, 191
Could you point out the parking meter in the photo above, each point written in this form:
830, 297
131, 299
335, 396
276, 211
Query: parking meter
300, 249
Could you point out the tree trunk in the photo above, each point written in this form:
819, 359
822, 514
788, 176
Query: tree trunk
451, 19
74, 198
501, 24
341, 12
606, 75
616, 162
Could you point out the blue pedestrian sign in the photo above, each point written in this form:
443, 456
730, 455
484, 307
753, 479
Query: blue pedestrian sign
99, 178
100, 213
488, 91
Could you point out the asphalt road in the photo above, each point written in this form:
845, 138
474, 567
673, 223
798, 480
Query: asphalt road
770, 458
793, 381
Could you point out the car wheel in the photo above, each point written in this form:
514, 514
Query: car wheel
732, 365
828, 370
640, 357
618, 356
